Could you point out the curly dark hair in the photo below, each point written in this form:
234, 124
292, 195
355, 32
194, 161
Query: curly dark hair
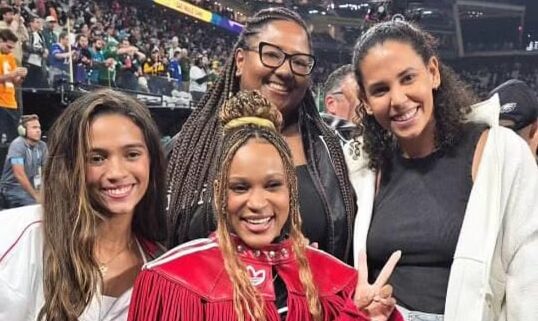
452, 100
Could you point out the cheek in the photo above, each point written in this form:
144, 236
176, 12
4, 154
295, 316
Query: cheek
92, 175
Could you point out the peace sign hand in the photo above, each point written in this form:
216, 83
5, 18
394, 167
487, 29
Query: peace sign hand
376, 299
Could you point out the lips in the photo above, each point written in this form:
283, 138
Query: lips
118, 191
279, 87
405, 116
258, 224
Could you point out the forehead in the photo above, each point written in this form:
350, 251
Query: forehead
288, 35
114, 130
389, 58
256, 158
32, 123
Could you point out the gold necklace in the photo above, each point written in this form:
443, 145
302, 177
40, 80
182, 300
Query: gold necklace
103, 266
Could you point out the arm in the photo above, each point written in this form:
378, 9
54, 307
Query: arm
28, 47
20, 175
201, 80
520, 231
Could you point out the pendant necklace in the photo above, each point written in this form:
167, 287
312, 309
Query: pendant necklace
103, 266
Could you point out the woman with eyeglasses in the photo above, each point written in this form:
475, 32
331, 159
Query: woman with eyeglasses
273, 55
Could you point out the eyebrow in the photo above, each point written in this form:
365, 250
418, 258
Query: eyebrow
400, 74
133, 145
268, 176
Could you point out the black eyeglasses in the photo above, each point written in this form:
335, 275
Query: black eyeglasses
273, 57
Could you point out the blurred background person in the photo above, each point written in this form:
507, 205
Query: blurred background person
21, 176
341, 93
35, 55
341, 101
10, 77
198, 77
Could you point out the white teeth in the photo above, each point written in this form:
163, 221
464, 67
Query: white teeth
408, 115
258, 221
118, 191
278, 86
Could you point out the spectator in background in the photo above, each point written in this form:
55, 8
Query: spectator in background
519, 110
10, 76
59, 60
185, 64
130, 62
98, 64
174, 47
48, 32
23, 8
21, 176
198, 79
34, 54
82, 59
341, 90
341, 101
155, 68
174, 69
13, 21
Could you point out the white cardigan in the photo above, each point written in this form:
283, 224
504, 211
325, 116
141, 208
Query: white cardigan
494, 275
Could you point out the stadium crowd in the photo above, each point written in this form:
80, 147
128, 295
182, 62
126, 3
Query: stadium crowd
412, 196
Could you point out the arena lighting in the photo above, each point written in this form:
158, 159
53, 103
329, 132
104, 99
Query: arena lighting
201, 14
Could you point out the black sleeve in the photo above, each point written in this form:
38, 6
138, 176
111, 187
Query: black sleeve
201, 80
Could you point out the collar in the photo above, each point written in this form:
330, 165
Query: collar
272, 254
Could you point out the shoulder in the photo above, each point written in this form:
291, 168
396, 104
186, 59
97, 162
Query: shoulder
42, 146
330, 274
17, 144
21, 229
196, 265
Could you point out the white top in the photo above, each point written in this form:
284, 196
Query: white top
494, 276
197, 73
21, 271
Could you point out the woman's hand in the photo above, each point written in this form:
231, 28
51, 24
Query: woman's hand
376, 299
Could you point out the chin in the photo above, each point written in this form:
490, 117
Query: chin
257, 241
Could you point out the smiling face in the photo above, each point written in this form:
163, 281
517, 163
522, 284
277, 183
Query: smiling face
399, 90
118, 164
258, 200
279, 85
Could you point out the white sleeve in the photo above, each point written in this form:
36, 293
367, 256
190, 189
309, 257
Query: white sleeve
21, 275
520, 232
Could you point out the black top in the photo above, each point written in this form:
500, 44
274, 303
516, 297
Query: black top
313, 216
419, 209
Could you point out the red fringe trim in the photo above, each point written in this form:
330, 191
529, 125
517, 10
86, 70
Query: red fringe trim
157, 298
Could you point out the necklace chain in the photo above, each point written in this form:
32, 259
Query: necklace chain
103, 266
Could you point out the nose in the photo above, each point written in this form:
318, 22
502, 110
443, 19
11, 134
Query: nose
285, 69
398, 96
116, 169
257, 200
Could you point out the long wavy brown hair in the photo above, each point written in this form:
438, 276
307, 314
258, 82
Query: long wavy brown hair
452, 100
247, 300
71, 214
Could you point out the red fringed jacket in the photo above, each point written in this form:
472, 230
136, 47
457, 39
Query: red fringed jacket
190, 283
